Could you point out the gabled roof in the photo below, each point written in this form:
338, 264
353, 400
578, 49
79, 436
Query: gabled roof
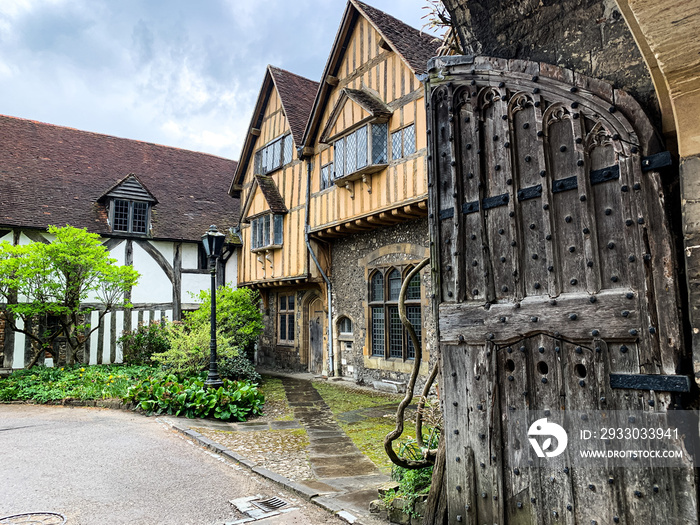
130, 187
372, 104
272, 195
297, 95
57, 175
414, 47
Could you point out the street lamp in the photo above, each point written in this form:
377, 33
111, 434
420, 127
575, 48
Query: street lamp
213, 242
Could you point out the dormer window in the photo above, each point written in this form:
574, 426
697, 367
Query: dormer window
274, 155
128, 206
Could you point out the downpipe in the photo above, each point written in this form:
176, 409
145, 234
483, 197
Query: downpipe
331, 369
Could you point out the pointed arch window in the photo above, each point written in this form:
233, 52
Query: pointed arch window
389, 339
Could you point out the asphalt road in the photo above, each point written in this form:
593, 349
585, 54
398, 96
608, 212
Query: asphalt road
98, 466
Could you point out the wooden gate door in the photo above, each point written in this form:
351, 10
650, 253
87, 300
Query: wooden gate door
316, 336
555, 286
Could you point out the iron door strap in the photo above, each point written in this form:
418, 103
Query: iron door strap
657, 382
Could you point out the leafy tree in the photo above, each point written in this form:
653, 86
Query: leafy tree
53, 289
238, 316
239, 323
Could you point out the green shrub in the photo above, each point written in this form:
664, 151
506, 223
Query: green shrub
45, 384
177, 395
238, 316
189, 350
413, 483
139, 345
239, 368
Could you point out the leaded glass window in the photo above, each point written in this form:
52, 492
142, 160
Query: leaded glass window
326, 172
354, 151
266, 231
378, 331
403, 142
388, 337
379, 143
274, 155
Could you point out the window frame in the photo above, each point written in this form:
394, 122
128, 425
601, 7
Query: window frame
365, 161
273, 225
266, 154
384, 311
289, 316
131, 215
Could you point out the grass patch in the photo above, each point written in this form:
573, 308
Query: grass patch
340, 398
276, 407
368, 436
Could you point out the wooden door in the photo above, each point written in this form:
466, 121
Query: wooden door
556, 283
316, 336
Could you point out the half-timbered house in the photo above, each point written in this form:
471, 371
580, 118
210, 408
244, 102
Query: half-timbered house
357, 182
151, 204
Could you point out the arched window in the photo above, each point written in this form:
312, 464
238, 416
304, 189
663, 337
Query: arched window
389, 339
344, 326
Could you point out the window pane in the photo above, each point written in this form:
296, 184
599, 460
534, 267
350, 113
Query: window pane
326, 176
345, 325
276, 154
377, 287
396, 145
378, 331
339, 162
257, 168
379, 143
409, 140
283, 327
254, 234
290, 327
266, 230
265, 160
414, 317
350, 153
413, 291
121, 216
140, 217
288, 150
260, 234
395, 333
361, 147
394, 285
290, 302
279, 224
283, 303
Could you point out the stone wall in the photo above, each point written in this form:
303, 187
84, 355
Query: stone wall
352, 256
587, 36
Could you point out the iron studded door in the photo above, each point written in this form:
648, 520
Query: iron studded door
556, 285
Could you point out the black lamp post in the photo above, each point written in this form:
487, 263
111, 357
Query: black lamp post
213, 242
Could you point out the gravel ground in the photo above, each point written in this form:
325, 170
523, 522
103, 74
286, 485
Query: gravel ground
281, 451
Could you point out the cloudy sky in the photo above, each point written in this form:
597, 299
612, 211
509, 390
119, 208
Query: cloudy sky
173, 72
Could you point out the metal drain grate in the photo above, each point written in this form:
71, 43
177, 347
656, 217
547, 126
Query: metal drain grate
271, 504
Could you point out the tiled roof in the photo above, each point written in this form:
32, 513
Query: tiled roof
414, 46
271, 193
55, 175
297, 94
368, 101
